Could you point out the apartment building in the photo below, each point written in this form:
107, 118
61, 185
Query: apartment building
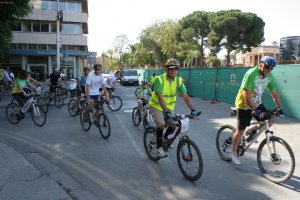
252, 58
34, 48
290, 50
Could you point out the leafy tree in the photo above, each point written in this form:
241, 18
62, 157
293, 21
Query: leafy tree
120, 46
234, 29
195, 31
10, 13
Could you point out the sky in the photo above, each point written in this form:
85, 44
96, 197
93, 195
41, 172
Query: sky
110, 18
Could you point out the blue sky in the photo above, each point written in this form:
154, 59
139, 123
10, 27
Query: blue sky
110, 18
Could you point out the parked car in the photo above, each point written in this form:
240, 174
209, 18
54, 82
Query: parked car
130, 77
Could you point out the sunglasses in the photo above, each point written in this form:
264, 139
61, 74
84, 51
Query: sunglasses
172, 69
268, 67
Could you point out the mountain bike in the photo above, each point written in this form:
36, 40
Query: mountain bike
115, 102
143, 114
275, 157
73, 111
38, 116
189, 158
97, 117
56, 96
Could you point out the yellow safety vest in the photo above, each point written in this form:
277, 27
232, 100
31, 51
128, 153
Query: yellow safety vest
169, 92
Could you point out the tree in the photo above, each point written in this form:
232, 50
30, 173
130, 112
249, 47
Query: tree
10, 14
233, 29
195, 30
120, 46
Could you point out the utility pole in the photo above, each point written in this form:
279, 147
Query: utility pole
59, 18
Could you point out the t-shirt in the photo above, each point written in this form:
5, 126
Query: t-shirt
54, 77
112, 78
256, 84
21, 83
83, 81
95, 82
145, 92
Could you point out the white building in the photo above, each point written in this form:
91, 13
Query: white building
33, 46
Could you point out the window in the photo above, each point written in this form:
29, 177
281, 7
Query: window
22, 46
51, 46
17, 27
36, 27
45, 5
53, 27
26, 26
44, 27
53, 5
32, 46
42, 46
14, 46
71, 29
71, 7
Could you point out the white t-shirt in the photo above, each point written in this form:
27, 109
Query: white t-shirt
95, 82
112, 78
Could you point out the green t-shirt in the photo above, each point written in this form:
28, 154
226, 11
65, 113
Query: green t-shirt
256, 84
145, 92
19, 82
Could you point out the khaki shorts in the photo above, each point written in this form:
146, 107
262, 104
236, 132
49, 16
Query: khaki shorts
158, 116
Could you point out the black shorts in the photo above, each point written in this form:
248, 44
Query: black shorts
244, 117
78, 92
19, 97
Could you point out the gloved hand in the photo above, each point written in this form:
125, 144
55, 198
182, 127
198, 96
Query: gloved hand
169, 115
193, 114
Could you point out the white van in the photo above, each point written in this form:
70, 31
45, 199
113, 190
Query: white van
130, 77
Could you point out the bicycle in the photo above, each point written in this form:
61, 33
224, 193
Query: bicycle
188, 153
38, 116
272, 152
99, 119
73, 111
55, 96
144, 114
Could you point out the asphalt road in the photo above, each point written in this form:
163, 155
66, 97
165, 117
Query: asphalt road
118, 168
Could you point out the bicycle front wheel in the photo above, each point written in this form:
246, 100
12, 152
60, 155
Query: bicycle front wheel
136, 117
11, 110
189, 159
58, 101
276, 160
224, 141
72, 107
42, 103
38, 116
85, 120
47, 98
115, 103
150, 143
104, 126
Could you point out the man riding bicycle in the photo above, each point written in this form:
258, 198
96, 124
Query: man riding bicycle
110, 86
81, 87
54, 79
163, 100
249, 101
95, 81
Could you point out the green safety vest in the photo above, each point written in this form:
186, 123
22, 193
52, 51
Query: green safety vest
169, 92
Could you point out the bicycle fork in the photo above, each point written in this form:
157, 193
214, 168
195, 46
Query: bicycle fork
271, 151
36, 111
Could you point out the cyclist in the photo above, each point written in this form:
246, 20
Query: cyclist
54, 79
81, 87
94, 82
143, 94
151, 81
20, 89
163, 101
110, 86
249, 100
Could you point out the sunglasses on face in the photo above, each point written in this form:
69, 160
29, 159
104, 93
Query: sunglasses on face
172, 69
268, 67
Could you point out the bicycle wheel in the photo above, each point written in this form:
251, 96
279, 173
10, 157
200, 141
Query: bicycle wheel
10, 112
276, 160
72, 107
58, 101
42, 103
47, 98
38, 116
104, 125
189, 159
223, 141
85, 121
115, 103
63, 92
150, 143
136, 117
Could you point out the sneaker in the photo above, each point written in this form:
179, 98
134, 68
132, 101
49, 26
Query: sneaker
234, 159
160, 152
